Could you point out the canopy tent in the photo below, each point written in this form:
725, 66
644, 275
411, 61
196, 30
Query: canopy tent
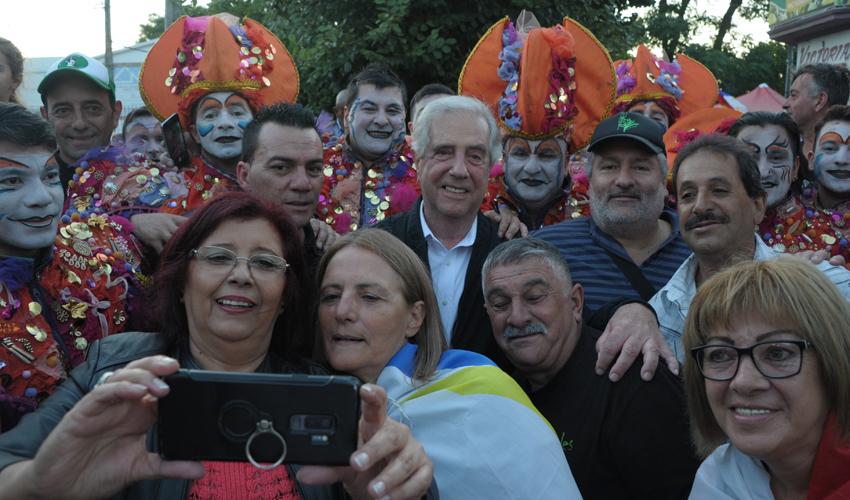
762, 98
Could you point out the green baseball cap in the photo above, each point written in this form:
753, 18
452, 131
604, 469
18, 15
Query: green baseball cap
80, 64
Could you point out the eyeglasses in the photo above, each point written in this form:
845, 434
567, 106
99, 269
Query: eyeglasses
218, 259
773, 359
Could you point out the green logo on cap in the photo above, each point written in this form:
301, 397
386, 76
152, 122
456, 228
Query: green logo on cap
625, 123
73, 61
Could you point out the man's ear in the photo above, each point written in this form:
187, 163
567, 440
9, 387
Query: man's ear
822, 101
811, 157
577, 294
44, 112
345, 124
242, 170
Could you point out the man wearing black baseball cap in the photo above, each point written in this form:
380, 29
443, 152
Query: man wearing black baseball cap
630, 246
78, 100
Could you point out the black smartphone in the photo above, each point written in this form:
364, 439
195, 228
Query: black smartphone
174, 142
265, 419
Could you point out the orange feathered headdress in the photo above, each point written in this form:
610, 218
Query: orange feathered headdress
705, 121
680, 87
199, 55
541, 82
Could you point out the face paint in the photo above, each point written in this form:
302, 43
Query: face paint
832, 157
534, 170
376, 121
772, 147
144, 136
220, 121
30, 200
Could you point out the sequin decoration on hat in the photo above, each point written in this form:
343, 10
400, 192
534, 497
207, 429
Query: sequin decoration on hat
200, 55
541, 82
679, 87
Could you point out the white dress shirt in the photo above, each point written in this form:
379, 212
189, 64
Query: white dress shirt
672, 302
448, 270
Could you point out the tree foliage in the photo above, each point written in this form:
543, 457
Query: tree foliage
428, 42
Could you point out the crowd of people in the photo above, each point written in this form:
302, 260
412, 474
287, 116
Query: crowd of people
517, 272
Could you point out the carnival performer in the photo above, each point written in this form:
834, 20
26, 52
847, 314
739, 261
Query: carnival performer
788, 225
548, 87
214, 73
64, 282
830, 162
369, 171
478, 427
663, 90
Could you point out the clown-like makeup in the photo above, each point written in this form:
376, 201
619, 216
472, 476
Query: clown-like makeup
376, 121
30, 199
772, 147
832, 157
144, 135
534, 170
220, 120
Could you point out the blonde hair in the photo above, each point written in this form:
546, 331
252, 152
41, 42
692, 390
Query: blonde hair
786, 291
416, 286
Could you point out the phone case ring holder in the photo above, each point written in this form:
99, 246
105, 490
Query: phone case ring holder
239, 419
265, 427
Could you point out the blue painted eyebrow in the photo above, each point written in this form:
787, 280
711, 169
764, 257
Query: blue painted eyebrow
15, 171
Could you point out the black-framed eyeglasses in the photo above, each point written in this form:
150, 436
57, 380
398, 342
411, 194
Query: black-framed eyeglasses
773, 358
224, 260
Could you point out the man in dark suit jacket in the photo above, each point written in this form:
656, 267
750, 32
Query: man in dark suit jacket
456, 141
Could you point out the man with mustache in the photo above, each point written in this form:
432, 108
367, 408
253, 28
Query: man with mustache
623, 440
630, 246
720, 200
369, 173
831, 164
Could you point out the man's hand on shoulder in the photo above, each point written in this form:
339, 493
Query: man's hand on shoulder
633, 330
509, 224
156, 229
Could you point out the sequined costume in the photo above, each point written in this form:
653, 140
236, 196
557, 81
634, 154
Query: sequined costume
793, 227
541, 84
51, 308
352, 197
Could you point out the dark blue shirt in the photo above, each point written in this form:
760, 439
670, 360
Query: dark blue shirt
583, 245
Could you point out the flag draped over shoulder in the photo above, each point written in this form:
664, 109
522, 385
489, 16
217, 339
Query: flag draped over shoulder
485, 437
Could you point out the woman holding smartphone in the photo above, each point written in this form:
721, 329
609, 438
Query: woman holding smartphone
233, 295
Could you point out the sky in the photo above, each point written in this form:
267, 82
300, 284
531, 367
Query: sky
37, 26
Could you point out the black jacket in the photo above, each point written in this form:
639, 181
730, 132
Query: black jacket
472, 330
112, 353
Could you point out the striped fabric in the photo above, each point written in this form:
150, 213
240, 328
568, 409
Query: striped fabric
583, 244
481, 431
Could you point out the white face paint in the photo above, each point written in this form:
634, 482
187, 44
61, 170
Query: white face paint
534, 170
832, 157
375, 121
220, 120
30, 199
144, 135
772, 147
